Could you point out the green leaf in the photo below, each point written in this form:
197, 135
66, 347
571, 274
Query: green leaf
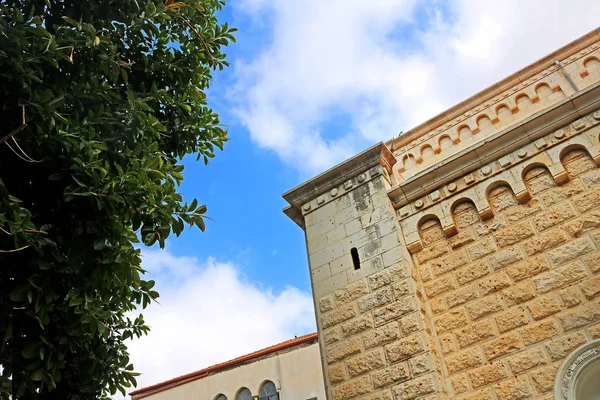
38, 374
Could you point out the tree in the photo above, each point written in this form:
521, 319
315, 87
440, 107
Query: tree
101, 99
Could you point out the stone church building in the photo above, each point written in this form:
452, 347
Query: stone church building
460, 260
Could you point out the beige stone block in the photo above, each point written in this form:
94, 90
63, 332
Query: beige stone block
421, 363
544, 241
590, 286
528, 268
472, 271
502, 346
430, 253
367, 268
439, 286
403, 288
559, 278
543, 378
387, 276
514, 233
425, 272
562, 193
462, 239
487, 374
519, 293
326, 304
386, 395
544, 306
335, 235
377, 299
437, 306
536, 333
351, 292
365, 363
485, 228
591, 179
522, 211
415, 388
594, 331
570, 251
462, 296
411, 323
578, 317
405, 348
337, 373
459, 383
526, 360
592, 260
477, 332
358, 325
338, 315
447, 344
482, 248
351, 389
317, 243
494, 283
511, 319
587, 200
329, 285
396, 373
331, 335
320, 227
570, 296
339, 351
516, 389
485, 306
583, 224
559, 348
394, 256
382, 335
394, 310
506, 257
483, 394
449, 262
450, 321
464, 360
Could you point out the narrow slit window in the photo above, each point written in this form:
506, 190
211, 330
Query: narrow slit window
355, 258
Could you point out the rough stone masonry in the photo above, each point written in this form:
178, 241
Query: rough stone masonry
461, 260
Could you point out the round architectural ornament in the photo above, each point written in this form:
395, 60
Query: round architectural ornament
361, 178
559, 134
452, 187
307, 207
596, 115
486, 170
522, 153
577, 378
333, 192
419, 203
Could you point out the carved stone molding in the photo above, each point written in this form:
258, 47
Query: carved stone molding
566, 380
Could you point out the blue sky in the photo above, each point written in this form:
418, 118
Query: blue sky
312, 82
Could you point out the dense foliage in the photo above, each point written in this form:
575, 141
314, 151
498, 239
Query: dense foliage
100, 101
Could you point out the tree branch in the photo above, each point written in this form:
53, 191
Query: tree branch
19, 129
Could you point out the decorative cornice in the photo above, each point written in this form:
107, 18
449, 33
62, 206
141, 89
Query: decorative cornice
501, 89
490, 157
339, 178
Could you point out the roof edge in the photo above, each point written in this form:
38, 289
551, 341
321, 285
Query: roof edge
183, 379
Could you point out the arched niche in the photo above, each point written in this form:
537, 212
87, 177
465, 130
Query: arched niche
445, 142
576, 160
484, 123
578, 376
427, 152
543, 90
500, 196
523, 101
503, 112
537, 178
408, 161
430, 229
591, 63
465, 133
464, 213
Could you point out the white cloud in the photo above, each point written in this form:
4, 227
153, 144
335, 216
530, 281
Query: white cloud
374, 68
210, 313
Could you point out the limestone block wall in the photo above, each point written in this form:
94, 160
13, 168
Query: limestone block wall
371, 322
509, 263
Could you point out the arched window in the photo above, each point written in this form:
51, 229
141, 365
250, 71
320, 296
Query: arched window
244, 394
221, 397
268, 391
